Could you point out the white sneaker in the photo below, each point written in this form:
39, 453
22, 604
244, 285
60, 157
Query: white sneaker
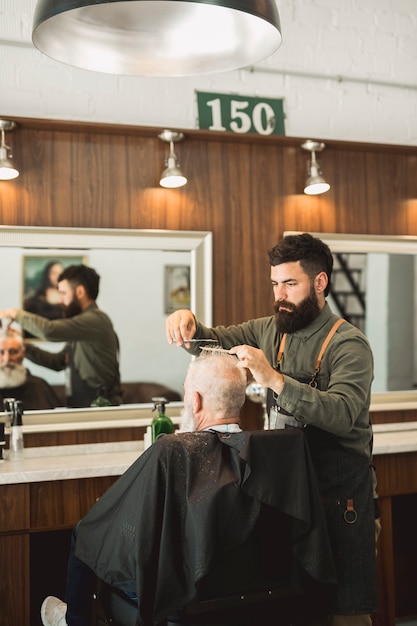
53, 612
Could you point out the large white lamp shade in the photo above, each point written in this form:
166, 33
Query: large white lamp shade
157, 37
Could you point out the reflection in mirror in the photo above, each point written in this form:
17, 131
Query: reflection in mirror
145, 274
374, 287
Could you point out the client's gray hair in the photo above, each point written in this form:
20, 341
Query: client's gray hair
12, 333
219, 380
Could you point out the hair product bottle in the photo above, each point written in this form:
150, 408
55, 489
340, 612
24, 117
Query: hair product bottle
161, 423
16, 432
2, 440
101, 399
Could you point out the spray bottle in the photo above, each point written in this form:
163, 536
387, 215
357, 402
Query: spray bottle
161, 423
16, 432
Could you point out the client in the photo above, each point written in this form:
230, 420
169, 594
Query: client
16, 381
207, 406
191, 499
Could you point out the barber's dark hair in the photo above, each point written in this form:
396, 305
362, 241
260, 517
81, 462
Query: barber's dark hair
314, 255
82, 275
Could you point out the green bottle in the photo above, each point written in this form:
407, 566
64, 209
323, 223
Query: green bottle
101, 399
161, 423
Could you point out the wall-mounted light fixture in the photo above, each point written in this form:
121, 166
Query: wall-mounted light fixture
315, 183
7, 169
172, 176
157, 37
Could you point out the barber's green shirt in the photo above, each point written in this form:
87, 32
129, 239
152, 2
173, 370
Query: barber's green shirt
95, 346
340, 404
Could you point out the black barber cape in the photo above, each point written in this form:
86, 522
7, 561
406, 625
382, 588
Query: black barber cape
193, 496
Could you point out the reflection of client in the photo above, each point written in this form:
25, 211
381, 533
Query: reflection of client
91, 354
16, 381
46, 300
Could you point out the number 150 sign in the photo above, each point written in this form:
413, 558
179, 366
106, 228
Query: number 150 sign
240, 114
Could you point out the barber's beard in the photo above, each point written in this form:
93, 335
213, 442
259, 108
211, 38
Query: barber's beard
73, 308
187, 424
12, 375
298, 316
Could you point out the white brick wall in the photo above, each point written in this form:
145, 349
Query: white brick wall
366, 51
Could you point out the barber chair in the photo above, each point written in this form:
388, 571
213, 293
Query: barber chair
257, 583
281, 575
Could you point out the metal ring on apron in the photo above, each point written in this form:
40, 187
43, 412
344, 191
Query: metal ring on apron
350, 516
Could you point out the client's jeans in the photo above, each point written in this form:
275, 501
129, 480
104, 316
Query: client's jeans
81, 582
81, 585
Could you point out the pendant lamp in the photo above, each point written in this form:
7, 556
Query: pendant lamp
315, 183
7, 170
172, 176
157, 37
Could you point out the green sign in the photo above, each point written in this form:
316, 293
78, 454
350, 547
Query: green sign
240, 114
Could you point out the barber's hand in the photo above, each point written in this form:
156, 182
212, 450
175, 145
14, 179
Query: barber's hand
8, 313
180, 326
255, 360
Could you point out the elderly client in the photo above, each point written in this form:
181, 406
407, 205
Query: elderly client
91, 354
15, 379
190, 499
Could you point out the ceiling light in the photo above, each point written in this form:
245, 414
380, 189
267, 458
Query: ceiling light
157, 37
172, 177
315, 183
7, 169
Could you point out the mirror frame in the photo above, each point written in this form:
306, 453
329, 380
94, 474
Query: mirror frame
198, 243
394, 244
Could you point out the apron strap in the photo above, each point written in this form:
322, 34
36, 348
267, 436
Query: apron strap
327, 341
323, 347
281, 348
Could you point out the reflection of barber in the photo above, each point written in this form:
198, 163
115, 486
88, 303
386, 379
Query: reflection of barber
91, 352
16, 381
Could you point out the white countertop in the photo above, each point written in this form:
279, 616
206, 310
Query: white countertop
395, 438
113, 459
393, 401
69, 462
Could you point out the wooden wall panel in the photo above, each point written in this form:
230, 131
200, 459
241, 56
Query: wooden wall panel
246, 190
91, 490
14, 510
14, 576
55, 504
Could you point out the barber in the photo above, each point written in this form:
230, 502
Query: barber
91, 353
328, 394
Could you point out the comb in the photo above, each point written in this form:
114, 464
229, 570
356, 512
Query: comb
217, 349
200, 340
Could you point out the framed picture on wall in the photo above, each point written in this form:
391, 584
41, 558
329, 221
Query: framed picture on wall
177, 288
40, 283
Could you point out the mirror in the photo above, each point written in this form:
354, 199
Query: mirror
374, 285
144, 274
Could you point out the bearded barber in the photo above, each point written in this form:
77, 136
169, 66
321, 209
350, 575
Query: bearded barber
328, 398
91, 353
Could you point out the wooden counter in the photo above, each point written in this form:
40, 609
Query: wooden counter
396, 467
45, 494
